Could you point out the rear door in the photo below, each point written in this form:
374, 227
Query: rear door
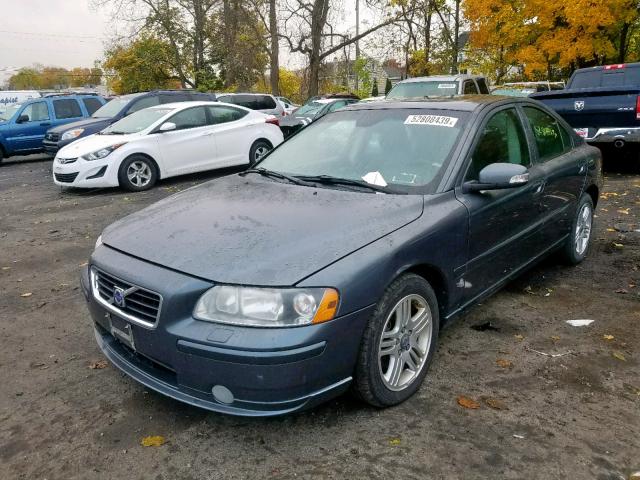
565, 171
234, 131
66, 110
29, 134
190, 147
503, 224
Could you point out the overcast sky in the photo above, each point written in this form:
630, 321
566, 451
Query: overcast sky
65, 33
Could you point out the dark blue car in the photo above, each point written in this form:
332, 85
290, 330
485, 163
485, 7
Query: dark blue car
23, 125
116, 109
334, 262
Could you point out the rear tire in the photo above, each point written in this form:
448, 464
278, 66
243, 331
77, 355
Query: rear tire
258, 150
137, 173
398, 343
577, 245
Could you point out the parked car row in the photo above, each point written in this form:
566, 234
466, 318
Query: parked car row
333, 262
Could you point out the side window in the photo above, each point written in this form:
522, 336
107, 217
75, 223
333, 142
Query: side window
336, 105
264, 102
482, 85
67, 108
470, 88
36, 112
145, 102
190, 118
502, 141
221, 114
174, 97
91, 104
551, 139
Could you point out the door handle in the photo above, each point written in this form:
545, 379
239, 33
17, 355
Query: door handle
45, 124
208, 134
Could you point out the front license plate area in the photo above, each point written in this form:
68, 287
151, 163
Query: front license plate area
122, 331
582, 132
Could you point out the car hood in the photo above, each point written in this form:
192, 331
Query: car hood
93, 143
293, 120
257, 231
87, 122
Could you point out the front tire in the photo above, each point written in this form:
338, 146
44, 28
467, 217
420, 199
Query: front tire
398, 343
137, 173
577, 245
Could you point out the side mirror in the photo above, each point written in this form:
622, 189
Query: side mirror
497, 176
167, 127
22, 119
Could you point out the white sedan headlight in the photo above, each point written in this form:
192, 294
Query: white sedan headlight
267, 307
103, 152
75, 133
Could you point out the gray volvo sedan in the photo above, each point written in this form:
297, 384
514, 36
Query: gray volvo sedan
333, 263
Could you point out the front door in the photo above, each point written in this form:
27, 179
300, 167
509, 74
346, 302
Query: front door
190, 146
28, 135
503, 224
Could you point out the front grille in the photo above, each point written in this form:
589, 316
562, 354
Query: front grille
64, 161
140, 305
66, 177
52, 137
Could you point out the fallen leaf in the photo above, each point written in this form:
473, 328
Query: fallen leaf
618, 245
635, 476
504, 363
153, 441
394, 441
83, 264
624, 211
555, 338
608, 337
518, 337
620, 290
99, 365
6, 268
28, 294
466, 402
619, 355
496, 404
518, 436
611, 229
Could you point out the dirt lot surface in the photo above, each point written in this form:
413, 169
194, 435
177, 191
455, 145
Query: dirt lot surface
576, 415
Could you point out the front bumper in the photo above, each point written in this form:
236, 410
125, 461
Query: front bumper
267, 371
84, 174
612, 135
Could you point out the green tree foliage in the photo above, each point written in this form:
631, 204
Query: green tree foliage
387, 86
143, 64
50, 78
374, 90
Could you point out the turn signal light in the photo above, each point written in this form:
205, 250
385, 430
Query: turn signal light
272, 120
328, 306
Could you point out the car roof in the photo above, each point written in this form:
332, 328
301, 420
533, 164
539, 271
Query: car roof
240, 93
441, 78
464, 103
193, 103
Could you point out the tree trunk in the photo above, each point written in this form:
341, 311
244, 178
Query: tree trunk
318, 22
622, 51
427, 37
456, 33
229, 14
274, 76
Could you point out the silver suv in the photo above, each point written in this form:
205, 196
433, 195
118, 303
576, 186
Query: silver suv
261, 102
439, 86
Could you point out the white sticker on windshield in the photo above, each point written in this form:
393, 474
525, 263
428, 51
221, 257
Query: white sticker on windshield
439, 120
447, 85
375, 178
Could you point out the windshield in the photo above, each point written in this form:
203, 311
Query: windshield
136, 122
111, 108
9, 112
310, 109
438, 88
398, 148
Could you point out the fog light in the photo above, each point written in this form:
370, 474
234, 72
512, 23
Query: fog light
222, 394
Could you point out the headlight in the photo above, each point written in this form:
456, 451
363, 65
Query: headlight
267, 307
103, 152
76, 132
98, 241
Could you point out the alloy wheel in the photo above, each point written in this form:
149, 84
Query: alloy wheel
139, 173
260, 152
405, 341
583, 229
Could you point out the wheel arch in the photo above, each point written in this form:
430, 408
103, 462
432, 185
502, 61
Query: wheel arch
149, 157
438, 282
593, 191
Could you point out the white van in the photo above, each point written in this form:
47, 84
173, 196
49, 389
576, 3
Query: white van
10, 97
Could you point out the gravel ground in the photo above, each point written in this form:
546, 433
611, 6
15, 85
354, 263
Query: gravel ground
576, 415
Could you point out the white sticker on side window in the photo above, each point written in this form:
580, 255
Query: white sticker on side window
447, 85
438, 120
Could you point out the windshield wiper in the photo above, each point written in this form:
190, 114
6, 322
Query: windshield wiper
270, 173
329, 180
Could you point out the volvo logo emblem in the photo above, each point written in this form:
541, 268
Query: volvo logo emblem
578, 105
118, 297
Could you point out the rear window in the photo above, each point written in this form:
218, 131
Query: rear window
438, 88
67, 108
617, 77
91, 104
254, 102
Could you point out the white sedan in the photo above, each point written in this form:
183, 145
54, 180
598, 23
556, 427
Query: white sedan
165, 141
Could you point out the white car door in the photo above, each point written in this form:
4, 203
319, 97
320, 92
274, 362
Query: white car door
191, 146
235, 130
